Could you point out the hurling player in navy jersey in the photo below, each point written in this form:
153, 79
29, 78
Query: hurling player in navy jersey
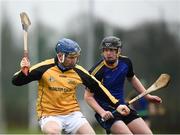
112, 71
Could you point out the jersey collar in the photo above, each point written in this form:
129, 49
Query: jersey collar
111, 66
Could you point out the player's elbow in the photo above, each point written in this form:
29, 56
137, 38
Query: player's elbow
16, 83
88, 96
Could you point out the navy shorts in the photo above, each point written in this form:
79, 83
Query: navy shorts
117, 116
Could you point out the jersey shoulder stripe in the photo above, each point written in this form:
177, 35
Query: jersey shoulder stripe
97, 68
43, 63
17, 73
82, 69
85, 72
93, 84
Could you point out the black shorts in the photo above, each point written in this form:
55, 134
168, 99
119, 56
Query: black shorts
117, 116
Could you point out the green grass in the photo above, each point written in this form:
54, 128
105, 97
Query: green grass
21, 130
24, 130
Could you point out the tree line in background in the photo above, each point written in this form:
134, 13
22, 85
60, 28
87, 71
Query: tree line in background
151, 46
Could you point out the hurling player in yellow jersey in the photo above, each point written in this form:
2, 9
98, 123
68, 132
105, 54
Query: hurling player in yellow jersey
58, 78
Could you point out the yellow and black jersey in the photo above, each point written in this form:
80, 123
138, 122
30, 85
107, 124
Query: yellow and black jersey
57, 88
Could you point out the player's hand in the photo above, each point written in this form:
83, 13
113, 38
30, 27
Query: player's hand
153, 99
123, 110
106, 115
25, 65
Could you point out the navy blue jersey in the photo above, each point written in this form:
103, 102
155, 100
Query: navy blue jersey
112, 78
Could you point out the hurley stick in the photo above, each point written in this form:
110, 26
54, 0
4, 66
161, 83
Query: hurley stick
25, 25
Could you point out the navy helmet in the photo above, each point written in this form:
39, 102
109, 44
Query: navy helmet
68, 47
111, 42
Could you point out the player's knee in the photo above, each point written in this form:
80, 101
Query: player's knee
148, 131
86, 129
51, 128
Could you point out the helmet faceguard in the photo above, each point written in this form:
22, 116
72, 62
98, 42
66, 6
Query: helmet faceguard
67, 47
111, 42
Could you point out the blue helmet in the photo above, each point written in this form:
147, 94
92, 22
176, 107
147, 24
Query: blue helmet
68, 47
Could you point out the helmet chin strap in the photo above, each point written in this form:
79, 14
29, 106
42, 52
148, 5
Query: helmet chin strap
110, 62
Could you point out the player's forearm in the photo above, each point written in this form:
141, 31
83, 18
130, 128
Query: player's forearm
137, 84
92, 103
20, 79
